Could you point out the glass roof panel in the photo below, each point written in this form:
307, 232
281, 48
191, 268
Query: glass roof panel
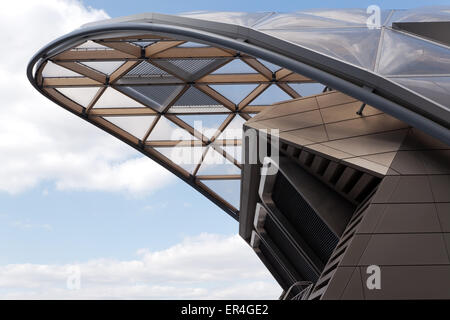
112, 98
234, 151
91, 45
233, 130
206, 124
229, 190
357, 46
234, 92
405, 55
423, 14
52, 70
235, 66
272, 67
167, 130
145, 69
106, 67
82, 96
143, 43
215, 163
270, 95
137, 126
307, 89
240, 18
435, 88
186, 157
190, 44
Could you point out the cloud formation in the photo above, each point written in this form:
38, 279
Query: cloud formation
41, 142
207, 266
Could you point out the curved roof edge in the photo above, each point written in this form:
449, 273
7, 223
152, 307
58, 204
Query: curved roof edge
362, 84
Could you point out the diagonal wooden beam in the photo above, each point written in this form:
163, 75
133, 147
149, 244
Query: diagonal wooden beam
282, 73
252, 96
217, 96
258, 66
160, 47
95, 99
233, 78
174, 143
219, 177
123, 69
150, 129
187, 127
222, 127
289, 90
124, 47
83, 70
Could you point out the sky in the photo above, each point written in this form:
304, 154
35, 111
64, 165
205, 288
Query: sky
76, 201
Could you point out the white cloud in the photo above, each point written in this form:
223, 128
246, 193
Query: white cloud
39, 141
204, 267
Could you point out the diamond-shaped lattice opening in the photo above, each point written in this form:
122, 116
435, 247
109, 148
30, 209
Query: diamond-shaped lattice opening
112, 98
215, 163
270, 96
185, 157
235, 66
82, 96
137, 126
205, 124
52, 70
234, 92
166, 130
229, 190
106, 67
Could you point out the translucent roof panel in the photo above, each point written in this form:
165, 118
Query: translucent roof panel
186, 157
357, 46
215, 163
205, 124
307, 89
272, 67
437, 88
106, 67
270, 95
235, 66
234, 92
137, 126
229, 190
166, 130
112, 98
52, 70
402, 54
321, 18
424, 14
82, 96
239, 18
233, 130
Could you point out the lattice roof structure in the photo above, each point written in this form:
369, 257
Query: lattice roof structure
149, 79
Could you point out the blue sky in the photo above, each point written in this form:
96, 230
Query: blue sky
121, 8
53, 214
